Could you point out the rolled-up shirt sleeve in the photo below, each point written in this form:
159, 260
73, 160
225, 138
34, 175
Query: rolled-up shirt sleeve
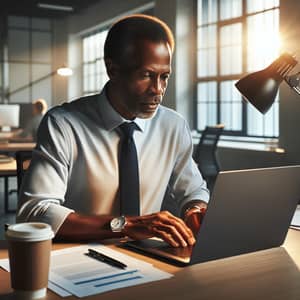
44, 185
186, 183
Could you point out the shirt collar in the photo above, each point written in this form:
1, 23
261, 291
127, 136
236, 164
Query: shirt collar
112, 119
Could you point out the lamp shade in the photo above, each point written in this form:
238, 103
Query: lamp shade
260, 88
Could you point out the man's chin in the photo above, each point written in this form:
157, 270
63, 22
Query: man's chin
146, 115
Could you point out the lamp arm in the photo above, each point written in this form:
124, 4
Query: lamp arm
294, 82
297, 90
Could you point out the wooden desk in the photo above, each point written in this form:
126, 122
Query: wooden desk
12, 137
7, 169
14, 147
10, 169
270, 274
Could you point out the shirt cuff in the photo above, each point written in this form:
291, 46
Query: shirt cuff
50, 213
56, 215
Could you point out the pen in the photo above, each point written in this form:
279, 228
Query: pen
106, 259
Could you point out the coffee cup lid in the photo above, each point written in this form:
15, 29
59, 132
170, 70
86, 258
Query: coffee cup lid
31, 232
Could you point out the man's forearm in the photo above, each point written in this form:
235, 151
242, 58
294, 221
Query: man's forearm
78, 227
164, 225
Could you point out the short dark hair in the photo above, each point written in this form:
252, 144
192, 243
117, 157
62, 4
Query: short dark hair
130, 29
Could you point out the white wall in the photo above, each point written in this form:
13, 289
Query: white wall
60, 58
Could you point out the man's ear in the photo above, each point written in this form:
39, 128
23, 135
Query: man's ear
112, 69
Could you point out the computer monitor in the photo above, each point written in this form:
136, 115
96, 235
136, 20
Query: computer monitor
9, 116
26, 113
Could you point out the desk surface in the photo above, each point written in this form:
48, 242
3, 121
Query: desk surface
8, 168
13, 147
269, 274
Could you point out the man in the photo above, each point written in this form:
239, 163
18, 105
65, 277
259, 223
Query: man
73, 181
39, 108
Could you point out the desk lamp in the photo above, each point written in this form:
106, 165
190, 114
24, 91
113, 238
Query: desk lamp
260, 88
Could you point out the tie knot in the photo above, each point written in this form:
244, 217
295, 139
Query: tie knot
128, 128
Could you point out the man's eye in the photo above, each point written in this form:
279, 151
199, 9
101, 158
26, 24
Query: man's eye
165, 76
146, 75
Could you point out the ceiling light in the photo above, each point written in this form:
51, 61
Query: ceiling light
64, 71
55, 7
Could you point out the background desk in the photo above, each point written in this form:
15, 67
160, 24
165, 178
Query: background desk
10, 169
14, 147
7, 169
270, 274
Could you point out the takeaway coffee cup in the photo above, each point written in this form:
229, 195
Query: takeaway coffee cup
29, 246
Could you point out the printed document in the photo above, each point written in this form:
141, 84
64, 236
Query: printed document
83, 276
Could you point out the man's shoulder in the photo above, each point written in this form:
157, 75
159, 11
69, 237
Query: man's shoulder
165, 114
69, 109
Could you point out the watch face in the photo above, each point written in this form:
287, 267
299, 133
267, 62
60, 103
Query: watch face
117, 224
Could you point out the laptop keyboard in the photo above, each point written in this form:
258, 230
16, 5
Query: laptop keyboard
182, 252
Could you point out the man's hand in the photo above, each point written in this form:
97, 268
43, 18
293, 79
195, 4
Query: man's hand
163, 225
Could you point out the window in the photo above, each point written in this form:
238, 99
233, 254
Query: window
26, 68
234, 37
94, 72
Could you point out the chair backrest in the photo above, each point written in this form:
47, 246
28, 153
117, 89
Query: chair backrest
205, 152
23, 159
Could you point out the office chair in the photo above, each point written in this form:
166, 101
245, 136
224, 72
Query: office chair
205, 154
23, 159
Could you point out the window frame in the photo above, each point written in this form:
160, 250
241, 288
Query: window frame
218, 78
97, 85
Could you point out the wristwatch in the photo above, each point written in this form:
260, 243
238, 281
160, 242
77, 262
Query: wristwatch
118, 224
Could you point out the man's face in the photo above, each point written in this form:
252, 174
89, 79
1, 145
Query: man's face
143, 83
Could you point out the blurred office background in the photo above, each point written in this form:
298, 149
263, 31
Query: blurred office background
217, 42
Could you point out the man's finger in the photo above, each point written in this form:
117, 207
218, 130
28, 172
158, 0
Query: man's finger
172, 231
165, 236
180, 226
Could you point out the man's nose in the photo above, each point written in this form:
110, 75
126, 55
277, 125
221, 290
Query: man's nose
157, 86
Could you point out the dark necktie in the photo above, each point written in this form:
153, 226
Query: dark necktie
129, 173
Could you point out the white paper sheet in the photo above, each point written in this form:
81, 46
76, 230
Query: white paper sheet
296, 219
85, 276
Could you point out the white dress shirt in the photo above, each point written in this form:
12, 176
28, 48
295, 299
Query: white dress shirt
75, 164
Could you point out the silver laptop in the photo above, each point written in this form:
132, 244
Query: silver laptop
249, 210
